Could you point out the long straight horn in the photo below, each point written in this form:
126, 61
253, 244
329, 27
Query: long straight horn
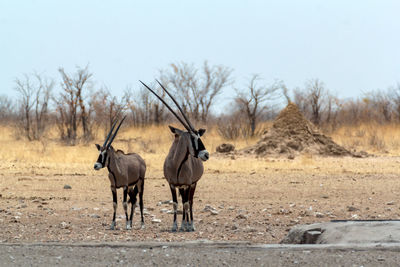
109, 134
170, 109
180, 109
115, 133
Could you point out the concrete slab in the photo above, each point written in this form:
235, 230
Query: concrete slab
345, 232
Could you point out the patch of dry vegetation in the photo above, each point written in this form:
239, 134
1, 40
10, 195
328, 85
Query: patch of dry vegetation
371, 137
153, 143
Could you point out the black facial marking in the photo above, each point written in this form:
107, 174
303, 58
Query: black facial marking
200, 145
102, 158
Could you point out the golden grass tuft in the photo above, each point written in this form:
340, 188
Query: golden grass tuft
370, 137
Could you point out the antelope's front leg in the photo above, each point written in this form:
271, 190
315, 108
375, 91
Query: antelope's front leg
175, 204
115, 205
125, 205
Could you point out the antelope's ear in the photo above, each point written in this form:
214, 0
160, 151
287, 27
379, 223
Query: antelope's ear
175, 130
98, 147
201, 131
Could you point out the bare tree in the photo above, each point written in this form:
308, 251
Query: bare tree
252, 100
394, 95
197, 90
145, 110
72, 106
6, 109
33, 102
107, 108
317, 97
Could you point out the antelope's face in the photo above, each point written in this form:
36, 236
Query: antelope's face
101, 160
191, 141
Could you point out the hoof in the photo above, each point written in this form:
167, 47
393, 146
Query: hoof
174, 227
112, 227
128, 225
184, 227
191, 228
142, 226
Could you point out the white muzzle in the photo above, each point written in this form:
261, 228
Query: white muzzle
204, 155
98, 166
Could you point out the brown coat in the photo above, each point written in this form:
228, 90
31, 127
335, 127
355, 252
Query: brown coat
125, 169
180, 167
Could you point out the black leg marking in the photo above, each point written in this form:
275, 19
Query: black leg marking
114, 194
132, 198
191, 195
125, 203
182, 193
175, 204
141, 200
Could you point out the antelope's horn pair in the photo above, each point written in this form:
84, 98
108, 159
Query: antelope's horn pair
115, 133
189, 125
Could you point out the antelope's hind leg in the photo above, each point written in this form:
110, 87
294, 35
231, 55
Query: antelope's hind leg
132, 198
191, 195
141, 189
115, 205
175, 204
183, 224
125, 205
185, 203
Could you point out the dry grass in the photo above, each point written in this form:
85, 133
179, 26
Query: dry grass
153, 144
373, 138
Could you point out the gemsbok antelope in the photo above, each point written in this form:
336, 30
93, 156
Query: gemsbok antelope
183, 166
124, 170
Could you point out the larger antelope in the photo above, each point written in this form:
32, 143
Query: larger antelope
124, 170
183, 166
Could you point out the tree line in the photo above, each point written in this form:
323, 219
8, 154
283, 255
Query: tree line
78, 109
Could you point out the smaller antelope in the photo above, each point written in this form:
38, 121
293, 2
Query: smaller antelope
124, 170
183, 166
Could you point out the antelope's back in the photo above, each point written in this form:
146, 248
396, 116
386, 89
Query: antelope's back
134, 164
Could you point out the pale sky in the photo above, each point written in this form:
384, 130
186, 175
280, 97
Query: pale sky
352, 46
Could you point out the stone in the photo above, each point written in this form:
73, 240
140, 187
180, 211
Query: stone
225, 148
214, 212
242, 216
351, 208
67, 187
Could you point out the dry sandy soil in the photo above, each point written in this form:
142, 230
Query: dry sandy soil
239, 198
258, 201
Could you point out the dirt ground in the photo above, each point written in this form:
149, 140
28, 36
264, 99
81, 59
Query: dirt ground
195, 254
258, 201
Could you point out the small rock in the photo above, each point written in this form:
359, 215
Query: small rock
95, 216
390, 203
67, 187
351, 208
214, 212
156, 220
242, 216
225, 148
319, 215
64, 225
